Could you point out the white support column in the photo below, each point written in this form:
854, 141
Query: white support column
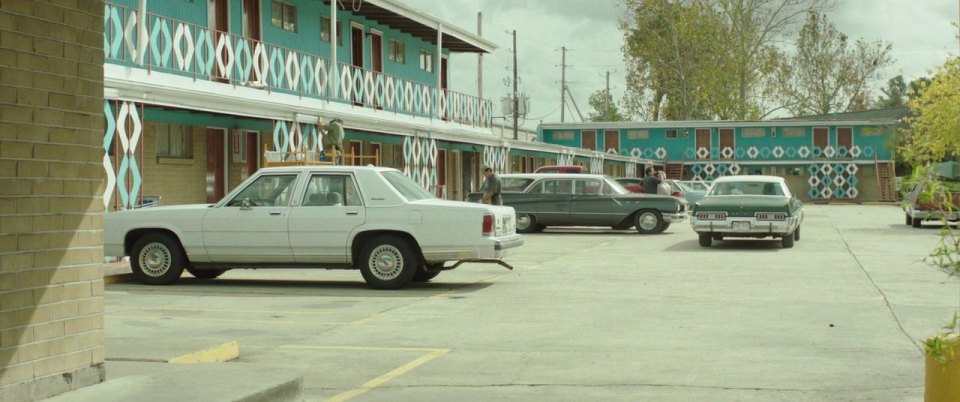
334, 79
142, 34
438, 62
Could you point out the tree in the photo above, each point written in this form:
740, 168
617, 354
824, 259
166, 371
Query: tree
668, 51
705, 59
894, 94
828, 74
934, 124
605, 109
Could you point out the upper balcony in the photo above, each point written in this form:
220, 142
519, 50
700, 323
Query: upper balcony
158, 43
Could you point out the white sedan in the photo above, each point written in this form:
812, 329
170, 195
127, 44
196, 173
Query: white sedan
347, 217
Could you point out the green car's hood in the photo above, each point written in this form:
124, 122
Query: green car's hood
745, 203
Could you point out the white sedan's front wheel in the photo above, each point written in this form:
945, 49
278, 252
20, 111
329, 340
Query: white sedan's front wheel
157, 259
387, 262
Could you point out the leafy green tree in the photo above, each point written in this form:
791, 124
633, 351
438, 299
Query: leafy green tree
894, 94
604, 108
828, 73
934, 126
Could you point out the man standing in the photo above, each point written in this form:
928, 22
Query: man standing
651, 181
491, 187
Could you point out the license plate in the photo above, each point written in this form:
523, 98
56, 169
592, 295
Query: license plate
741, 226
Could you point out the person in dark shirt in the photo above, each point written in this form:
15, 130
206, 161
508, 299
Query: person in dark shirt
651, 181
491, 188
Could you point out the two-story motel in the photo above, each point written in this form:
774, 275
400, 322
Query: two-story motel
845, 156
197, 91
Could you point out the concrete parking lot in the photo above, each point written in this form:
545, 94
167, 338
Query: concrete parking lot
588, 314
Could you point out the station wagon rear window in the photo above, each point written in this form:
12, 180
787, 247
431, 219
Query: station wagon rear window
747, 188
514, 184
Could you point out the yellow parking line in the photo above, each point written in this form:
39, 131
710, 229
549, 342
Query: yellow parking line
142, 318
364, 348
382, 379
227, 310
217, 354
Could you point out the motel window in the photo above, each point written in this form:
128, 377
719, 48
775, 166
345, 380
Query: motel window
753, 132
396, 51
325, 31
562, 135
672, 133
638, 134
871, 131
284, 15
426, 61
174, 141
793, 132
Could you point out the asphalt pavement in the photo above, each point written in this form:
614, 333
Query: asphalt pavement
588, 314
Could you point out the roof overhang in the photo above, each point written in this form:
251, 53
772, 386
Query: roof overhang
712, 124
421, 25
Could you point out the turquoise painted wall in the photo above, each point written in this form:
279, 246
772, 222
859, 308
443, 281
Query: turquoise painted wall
307, 37
878, 138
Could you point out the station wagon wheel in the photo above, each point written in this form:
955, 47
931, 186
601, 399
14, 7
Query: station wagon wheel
648, 221
787, 240
796, 234
388, 262
157, 259
909, 219
526, 223
916, 222
706, 240
205, 273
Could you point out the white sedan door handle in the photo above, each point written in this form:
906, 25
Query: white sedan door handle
353, 213
277, 213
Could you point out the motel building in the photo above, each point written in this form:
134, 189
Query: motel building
200, 94
844, 157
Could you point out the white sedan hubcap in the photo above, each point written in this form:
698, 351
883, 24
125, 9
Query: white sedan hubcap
386, 262
155, 259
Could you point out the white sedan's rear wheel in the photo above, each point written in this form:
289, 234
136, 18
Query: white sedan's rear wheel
388, 262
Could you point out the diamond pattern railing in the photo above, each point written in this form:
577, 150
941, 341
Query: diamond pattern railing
205, 54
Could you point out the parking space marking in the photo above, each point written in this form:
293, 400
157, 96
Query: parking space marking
432, 353
217, 354
221, 310
142, 318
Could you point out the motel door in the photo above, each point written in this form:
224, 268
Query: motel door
845, 139
821, 138
726, 142
611, 140
215, 163
703, 141
588, 140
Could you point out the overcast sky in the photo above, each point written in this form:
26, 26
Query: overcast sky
920, 31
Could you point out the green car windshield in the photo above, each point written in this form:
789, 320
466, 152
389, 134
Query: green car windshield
747, 188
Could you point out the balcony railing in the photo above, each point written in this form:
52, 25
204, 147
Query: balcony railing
186, 49
778, 152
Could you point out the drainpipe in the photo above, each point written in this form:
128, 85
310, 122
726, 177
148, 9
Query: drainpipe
439, 63
142, 33
335, 68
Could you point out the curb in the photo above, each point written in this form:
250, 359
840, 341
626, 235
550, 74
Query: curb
217, 354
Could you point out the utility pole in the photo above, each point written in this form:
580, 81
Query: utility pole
480, 57
516, 99
563, 81
606, 100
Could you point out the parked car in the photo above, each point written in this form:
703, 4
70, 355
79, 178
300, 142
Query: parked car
918, 209
632, 184
699, 185
748, 206
368, 218
559, 169
558, 199
687, 191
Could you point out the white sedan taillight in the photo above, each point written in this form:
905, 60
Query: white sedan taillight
488, 224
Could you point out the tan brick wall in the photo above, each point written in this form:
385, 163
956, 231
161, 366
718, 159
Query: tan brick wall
51, 130
178, 181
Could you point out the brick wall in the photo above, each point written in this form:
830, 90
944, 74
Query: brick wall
51, 130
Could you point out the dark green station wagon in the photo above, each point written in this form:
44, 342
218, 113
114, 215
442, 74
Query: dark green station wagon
561, 199
748, 206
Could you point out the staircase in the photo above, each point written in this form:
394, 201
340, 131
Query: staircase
674, 171
886, 183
